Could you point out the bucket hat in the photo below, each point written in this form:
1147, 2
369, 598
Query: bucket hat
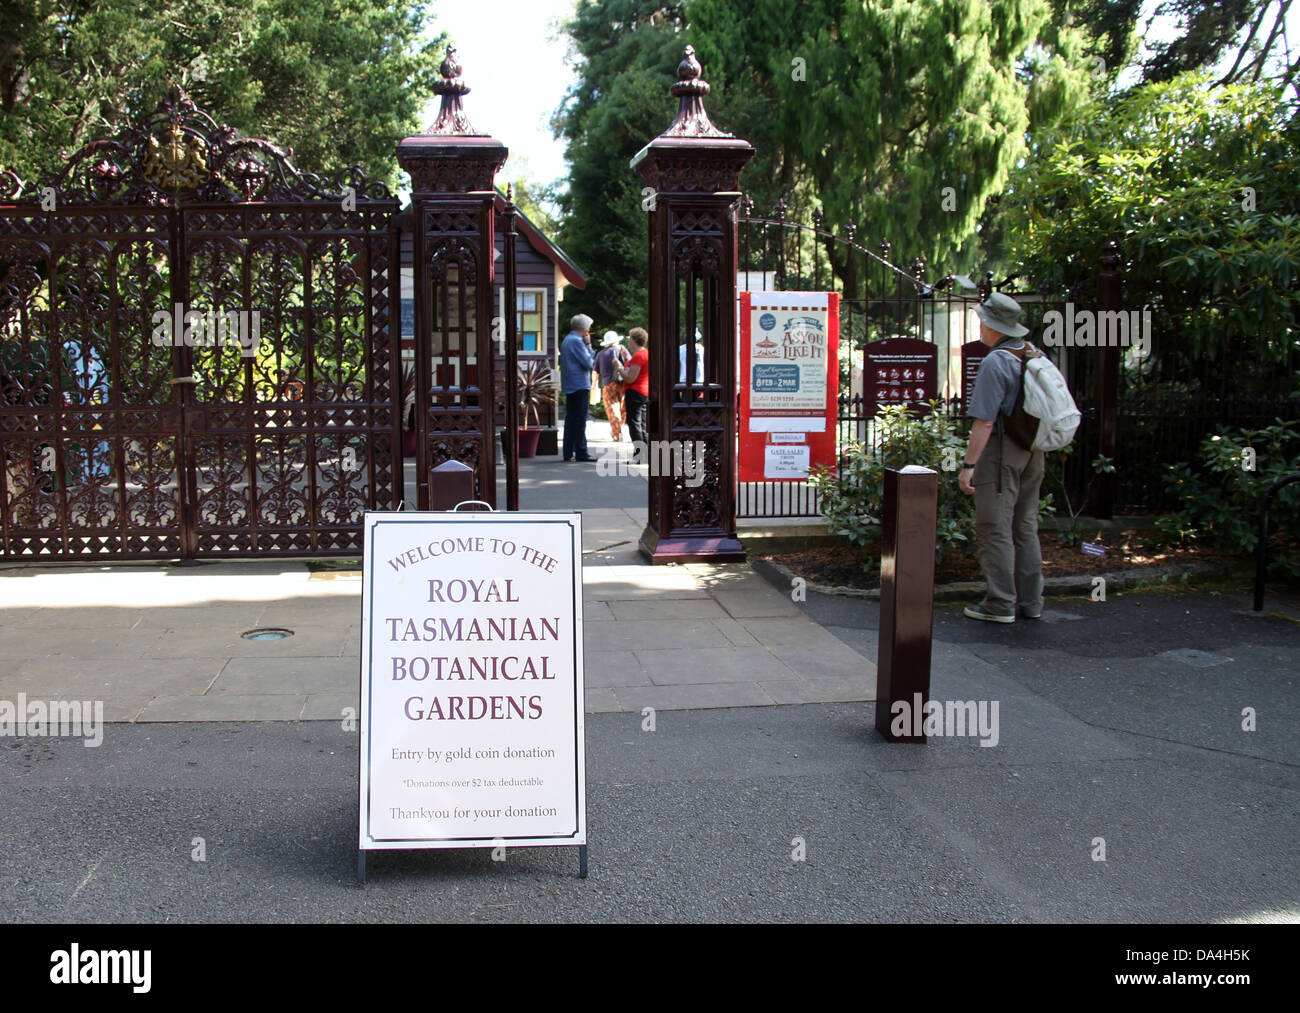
1002, 314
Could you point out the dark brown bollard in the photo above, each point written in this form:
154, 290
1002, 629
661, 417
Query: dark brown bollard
906, 599
450, 483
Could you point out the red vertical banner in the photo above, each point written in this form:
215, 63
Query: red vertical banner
789, 383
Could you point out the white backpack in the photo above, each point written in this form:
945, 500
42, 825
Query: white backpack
1047, 398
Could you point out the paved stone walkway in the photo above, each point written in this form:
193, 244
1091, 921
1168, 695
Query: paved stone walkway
160, 642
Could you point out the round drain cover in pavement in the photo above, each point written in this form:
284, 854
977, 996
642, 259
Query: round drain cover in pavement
267, 634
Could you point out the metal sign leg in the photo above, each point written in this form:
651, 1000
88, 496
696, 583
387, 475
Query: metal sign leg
582, 861
361, 866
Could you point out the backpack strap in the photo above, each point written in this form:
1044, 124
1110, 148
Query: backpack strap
1026, 352
999, 428
1021, 395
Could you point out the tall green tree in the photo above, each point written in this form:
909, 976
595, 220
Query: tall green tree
338, 81
1199, 186
536, 200
1112, 23
902, 118
627, 54
1208, 30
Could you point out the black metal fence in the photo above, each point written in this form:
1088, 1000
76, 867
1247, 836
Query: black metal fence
878, 300
1168, 401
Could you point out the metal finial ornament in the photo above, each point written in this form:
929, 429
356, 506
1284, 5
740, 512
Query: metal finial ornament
451, 120
450, 67
690, 68
105, 176
690, 89
248, 174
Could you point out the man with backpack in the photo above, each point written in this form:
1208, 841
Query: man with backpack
1004, 475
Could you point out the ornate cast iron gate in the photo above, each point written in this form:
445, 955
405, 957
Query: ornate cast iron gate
196, 356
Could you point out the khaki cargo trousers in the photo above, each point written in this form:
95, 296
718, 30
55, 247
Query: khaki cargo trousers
1006, 526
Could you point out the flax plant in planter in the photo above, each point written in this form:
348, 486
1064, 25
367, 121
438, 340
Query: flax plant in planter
536, 391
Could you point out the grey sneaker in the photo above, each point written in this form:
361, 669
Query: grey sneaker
1025, 613
980, 612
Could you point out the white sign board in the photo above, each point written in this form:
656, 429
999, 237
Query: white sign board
472, 681
786, 461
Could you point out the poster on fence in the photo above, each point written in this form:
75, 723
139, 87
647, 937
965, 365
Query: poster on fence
472, 729
899, 371
789, 383
972, 354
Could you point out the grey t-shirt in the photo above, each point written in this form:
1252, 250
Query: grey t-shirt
606, 359
996, 384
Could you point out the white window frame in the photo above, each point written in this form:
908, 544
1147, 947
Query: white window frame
541, 293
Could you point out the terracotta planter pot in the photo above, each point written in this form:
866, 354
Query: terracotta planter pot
528, 441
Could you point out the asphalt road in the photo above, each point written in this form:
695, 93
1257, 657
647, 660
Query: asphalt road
1101, 735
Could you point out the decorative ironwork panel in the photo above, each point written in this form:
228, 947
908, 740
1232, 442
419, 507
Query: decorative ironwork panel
300, 381
455, 420
196, 350
83, 384
698, 497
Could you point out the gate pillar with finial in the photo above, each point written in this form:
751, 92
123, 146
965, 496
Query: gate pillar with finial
453, 169
693, 171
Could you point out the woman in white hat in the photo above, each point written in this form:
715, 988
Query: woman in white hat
609, 364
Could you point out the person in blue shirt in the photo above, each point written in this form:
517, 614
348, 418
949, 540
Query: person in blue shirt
576, 365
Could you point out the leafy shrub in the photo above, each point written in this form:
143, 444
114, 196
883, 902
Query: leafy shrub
853, 501
1054, 477
1220, 499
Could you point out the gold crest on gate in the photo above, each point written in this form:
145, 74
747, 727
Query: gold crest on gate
176, 162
